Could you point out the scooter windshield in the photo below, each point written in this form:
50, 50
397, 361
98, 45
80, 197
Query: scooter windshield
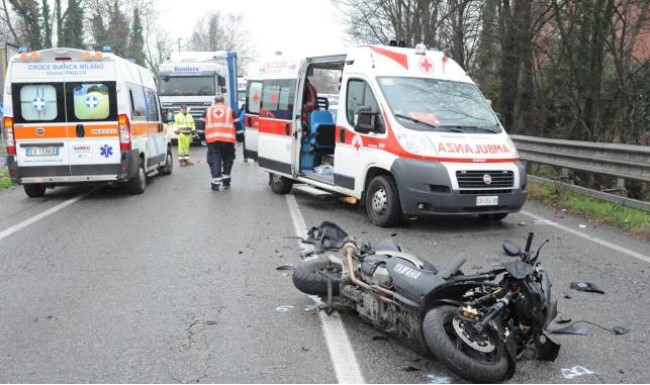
438, 105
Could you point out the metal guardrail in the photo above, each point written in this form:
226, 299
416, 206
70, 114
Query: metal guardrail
617, 160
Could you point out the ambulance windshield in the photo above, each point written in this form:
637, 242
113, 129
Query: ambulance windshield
187, 86
438, 105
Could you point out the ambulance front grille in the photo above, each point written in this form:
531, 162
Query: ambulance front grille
472, 179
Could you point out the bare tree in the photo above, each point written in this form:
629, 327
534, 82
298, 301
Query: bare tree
222, 32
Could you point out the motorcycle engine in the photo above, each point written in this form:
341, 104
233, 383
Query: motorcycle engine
374, 272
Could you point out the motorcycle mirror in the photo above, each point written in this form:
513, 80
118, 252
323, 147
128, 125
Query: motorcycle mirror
511, 249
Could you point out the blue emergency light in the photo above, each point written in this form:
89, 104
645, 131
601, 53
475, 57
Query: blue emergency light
374, 42
107, 49
23, 49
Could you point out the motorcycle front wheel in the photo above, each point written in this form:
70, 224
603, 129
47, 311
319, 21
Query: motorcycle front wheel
311, 276
481, 359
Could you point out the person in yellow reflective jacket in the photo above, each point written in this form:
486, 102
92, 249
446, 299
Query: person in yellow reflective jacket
185, 129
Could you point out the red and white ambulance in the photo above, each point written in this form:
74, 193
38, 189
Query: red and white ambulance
74, 116
412, 135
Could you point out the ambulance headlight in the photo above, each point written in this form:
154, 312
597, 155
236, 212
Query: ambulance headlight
416, 143
512, 147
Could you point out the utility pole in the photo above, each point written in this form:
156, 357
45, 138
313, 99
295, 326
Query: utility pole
179, 44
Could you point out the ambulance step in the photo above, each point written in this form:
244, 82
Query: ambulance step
307, 189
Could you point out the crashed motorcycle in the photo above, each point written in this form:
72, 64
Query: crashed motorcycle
477, 325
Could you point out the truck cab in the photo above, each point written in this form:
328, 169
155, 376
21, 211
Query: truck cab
194, 79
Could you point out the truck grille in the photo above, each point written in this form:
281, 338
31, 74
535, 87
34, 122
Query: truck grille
485, 179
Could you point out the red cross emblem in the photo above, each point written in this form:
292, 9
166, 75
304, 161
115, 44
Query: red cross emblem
256, 98
357, 142
218, 113
274, 98
425, 65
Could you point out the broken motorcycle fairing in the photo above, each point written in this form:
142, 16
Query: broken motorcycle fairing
477, 325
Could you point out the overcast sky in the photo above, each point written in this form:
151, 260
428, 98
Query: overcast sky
295, 27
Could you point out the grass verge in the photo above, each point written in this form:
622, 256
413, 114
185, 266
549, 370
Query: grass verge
5, 182
629, 219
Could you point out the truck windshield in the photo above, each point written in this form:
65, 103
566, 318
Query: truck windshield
438, 105
187, 86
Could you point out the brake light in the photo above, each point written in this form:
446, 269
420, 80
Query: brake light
11, 142
63, 58
125, 133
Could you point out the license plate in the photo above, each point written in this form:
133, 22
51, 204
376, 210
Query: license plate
487, 201
42, 151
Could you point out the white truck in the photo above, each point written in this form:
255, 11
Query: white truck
194, 79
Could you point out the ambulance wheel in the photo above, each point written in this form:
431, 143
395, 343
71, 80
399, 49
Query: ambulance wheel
138, 183
169, 164
382, 202
34, 190
280, 184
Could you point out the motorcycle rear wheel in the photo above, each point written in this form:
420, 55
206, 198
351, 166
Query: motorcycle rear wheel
445, 344
307, 276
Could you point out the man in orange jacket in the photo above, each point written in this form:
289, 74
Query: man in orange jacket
221, 139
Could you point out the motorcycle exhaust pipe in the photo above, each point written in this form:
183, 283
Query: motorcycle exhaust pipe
350, 249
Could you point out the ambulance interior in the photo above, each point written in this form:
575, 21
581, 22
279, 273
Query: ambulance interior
319, 122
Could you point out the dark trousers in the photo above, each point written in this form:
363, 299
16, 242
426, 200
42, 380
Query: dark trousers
221, 157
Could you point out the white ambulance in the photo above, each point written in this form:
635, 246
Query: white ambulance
413, 135
74, 116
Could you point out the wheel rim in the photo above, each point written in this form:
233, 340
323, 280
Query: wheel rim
379, 201
460, 342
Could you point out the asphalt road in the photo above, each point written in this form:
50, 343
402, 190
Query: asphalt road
180, 285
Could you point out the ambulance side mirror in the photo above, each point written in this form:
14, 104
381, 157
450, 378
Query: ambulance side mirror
224, 90
168, 115
366, 120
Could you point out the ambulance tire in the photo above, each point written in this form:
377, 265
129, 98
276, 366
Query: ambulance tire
382, 202
34, 190
169, 163
279, 184
138, 183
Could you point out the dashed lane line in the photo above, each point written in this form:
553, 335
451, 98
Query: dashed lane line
14, 229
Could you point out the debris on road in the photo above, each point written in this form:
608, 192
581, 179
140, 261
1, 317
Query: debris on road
284, 308
285, 267
411, 369
575, 371
380, 338
582, 226
586, 287
563, 320
571, 330
435, 379
567, 296
523, 223
303, 349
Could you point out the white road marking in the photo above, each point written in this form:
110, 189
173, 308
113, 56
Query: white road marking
14, 229
580, 234
345, 363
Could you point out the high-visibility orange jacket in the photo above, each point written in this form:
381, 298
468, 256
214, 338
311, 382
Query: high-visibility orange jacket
219, 126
